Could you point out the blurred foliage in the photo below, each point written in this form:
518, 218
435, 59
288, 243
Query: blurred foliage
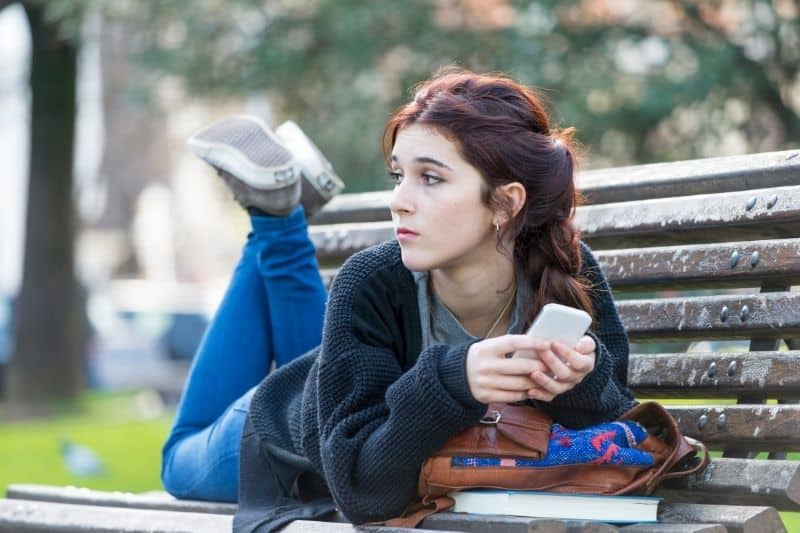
642, 81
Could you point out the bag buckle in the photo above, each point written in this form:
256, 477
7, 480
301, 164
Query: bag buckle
491, 417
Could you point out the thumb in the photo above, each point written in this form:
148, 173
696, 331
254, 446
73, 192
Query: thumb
586, 345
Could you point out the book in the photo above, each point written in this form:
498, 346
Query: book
616, 509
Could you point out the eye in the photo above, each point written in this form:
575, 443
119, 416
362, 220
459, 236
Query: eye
431, 179
395, 177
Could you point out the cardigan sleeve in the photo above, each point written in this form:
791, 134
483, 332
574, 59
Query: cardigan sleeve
603, 394
378, 422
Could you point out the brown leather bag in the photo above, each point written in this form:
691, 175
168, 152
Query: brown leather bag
512, 431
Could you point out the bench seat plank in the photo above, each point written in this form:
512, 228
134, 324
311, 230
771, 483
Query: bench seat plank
156, 500
740, 316
674, 528
22, 515
715, 375
736, 519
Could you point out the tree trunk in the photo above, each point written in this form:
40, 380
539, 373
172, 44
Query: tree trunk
48, 364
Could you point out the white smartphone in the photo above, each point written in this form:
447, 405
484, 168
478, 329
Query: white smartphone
561, 323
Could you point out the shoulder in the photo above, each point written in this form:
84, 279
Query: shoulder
373, 278
379, 264
589, 265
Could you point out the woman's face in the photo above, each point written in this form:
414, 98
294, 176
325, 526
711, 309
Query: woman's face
439, 218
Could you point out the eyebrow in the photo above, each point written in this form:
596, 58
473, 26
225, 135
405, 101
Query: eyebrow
429, 160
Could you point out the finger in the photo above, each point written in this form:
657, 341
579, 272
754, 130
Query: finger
511, 343
556, 367
541, 395
577, 361
516, 366
548, 384
508, 383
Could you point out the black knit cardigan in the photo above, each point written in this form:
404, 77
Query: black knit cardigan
368, 406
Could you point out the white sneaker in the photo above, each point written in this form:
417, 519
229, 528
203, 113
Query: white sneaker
320, 181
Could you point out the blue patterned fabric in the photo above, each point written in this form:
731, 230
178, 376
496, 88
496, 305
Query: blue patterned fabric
608, 443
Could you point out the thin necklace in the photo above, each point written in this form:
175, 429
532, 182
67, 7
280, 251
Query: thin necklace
502, 312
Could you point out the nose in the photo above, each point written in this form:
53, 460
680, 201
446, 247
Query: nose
401, 201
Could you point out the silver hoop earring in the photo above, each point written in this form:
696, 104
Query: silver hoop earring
497, 229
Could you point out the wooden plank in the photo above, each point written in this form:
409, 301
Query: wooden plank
21, 515
156, 500
732, 264
673, 528
475, 523
693, 219
715, 375
621, 184
685, 178
35, 516
760, 482
768, 315
737, 519
312, 526
695, 266
742, 427
689, 220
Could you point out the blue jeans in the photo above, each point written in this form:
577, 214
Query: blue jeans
272, 311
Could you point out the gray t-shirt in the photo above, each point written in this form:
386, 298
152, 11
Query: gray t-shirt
439, 326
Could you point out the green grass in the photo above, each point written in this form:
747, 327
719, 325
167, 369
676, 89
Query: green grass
120, 428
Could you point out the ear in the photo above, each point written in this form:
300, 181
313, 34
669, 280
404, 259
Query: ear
514, 193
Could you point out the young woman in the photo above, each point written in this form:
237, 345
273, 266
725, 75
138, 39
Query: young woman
417, 332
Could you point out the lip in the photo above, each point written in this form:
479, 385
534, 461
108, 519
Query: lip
404, 234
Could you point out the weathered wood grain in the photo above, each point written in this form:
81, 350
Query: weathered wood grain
768, 315
692, 219
673, 528
715, 375
20, 515
685, 178
156, 500
622, 184
732, 264
739, 482
475, 523
746, 427
737, 519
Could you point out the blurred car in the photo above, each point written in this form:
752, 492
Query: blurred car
6, 336
145, 334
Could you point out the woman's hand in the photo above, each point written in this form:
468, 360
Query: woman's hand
492, 377
563, 368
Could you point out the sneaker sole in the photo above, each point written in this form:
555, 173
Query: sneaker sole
233, 161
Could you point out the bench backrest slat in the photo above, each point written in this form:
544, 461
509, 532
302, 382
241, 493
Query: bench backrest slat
623, 184
715, 375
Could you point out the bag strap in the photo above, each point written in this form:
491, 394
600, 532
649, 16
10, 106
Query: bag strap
687, 447
422, 510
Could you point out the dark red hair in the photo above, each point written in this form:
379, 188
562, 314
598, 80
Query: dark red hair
503, 130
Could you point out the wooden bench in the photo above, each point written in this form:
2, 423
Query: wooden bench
704, 250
